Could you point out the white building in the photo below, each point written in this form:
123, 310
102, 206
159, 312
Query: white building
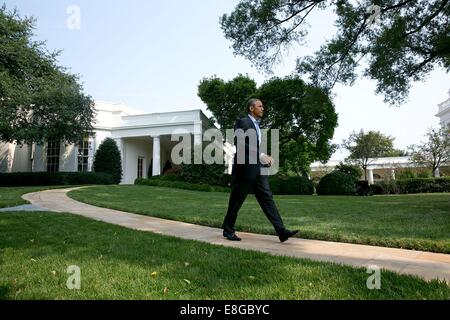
444, 111
377, 168
144, 141
382, 168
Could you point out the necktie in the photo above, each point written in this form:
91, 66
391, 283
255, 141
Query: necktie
258, 130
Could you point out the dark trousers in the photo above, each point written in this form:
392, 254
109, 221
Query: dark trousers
261, 189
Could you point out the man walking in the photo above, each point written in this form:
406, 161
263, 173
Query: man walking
247, 175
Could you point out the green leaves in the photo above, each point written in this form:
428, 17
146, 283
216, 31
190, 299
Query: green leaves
39, 100
304, 115
262, 29
107, 159
364, 146
410, 39
226, 100
435, 151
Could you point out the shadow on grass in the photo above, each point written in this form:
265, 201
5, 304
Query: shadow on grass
117, 263
416, 222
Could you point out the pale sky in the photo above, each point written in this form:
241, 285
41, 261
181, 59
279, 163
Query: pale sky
151, 55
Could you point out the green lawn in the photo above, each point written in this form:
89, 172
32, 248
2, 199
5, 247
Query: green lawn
11, 196
117, 263
420, 221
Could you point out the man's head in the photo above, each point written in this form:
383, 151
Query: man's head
255, 108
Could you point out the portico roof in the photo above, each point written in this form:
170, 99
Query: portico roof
123, 121
374, 163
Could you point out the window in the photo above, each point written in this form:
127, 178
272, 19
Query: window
139, 167
83, 155
53, 156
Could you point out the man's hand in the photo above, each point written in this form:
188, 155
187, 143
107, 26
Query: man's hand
266, 160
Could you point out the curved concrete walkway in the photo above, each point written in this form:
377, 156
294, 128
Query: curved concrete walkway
426, 265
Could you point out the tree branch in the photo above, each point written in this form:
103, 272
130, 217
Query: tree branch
278, 22
355, 38
395, 6
423, 63
303, 18
428, 19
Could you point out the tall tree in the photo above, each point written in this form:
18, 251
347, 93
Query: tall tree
39, 100
435, 151
306, 119
225, 99
304, 115
364, 147
397, 41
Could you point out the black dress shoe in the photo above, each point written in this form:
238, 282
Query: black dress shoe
231, 236
286, 234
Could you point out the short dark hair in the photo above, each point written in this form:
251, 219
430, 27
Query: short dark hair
251, 102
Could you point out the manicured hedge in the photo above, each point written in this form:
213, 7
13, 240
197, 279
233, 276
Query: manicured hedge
16, 179
336, 183
211, 174
363, 188
350, 169
291, 185
385, 187
416, 185
424, 185
180, 185
278, 184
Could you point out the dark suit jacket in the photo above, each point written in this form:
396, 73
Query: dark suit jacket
248, 170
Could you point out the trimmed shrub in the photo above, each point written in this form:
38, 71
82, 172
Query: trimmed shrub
107, 159
16, 179
417, 185
363, 188
168, 177
278, 184
180, 185
291, 185
349, 169
275, 184
385, 187
424, 185
212, 174
197, 174
377, 188
336, 183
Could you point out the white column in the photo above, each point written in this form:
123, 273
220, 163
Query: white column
370, 175
392, 173
436, 173
156, 167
